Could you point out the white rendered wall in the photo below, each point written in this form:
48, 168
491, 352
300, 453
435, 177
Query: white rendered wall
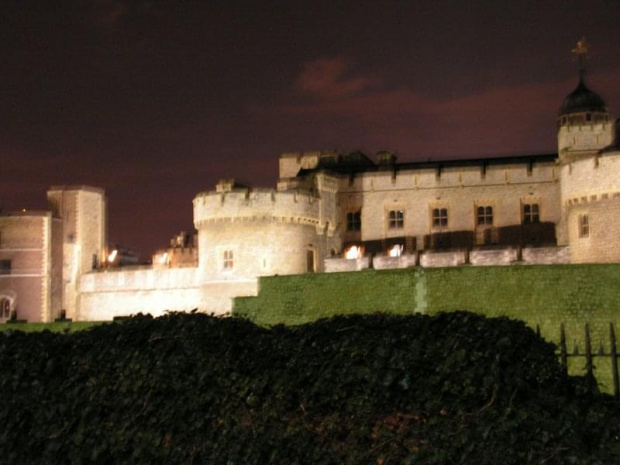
104, 295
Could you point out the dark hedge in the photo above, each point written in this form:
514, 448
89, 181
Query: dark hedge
455, 388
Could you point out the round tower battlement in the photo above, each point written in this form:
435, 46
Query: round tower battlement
591, 178
255, 205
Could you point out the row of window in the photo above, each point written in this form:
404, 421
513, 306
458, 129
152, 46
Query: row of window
484, 217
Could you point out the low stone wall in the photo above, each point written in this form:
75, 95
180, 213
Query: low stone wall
391, 263
335, 265
217, 296
104, 295
546, 255
488, 257
443, 259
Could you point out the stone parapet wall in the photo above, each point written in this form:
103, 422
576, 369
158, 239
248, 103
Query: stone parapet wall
546, 255
256, 205
478, 257
595, 177
139, 280
336, 265
105, 295
439, 177
505, 256
391, 263
587, 136
443, 259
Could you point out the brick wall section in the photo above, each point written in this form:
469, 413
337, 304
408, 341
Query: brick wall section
25, 241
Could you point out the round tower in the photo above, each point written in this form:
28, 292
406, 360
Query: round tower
245, 233
590, 175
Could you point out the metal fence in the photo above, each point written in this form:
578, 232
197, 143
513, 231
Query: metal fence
590, 354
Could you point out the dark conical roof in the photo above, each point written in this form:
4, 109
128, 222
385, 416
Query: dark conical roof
582, 100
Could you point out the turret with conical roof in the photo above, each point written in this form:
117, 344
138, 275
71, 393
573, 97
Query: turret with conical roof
583, 120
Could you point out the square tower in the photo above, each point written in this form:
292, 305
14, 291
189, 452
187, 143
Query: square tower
81, 241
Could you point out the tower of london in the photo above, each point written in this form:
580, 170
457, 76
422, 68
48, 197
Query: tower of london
330, 212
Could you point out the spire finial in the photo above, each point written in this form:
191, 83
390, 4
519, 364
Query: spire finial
581, 54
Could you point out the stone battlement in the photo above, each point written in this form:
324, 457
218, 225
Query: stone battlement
242, 204
596, 177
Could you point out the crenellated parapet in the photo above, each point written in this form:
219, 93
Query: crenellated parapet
256, 205
592, 178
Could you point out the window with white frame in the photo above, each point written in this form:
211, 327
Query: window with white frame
396, 219
228, 260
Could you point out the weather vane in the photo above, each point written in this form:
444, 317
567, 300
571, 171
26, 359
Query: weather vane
581, 53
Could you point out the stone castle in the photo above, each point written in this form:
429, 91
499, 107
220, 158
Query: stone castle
330, 212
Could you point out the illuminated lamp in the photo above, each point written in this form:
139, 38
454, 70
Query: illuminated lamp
396, 250
353, 252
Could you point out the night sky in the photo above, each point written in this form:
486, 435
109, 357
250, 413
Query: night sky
156, 101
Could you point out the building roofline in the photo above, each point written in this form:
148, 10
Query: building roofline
438, 164
24, 214
77, 187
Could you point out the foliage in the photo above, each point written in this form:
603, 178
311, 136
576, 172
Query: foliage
377, 389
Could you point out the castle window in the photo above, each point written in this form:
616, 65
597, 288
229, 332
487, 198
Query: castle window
584, 226
228, 260
440, 217
354, 221
588, 117
531, 213
396, 219
485, 215
5, 266
5, 309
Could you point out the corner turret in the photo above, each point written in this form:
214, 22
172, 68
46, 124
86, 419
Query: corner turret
584, 123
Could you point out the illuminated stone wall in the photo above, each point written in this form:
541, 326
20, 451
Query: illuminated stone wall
82, 211
460, 190
585, 137
591, 187
25, 240
122, 292
248, 233
118, 292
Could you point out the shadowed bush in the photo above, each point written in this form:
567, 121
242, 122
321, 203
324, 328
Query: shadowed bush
377, 389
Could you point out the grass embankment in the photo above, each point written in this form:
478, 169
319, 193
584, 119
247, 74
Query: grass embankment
374, 389
56, 327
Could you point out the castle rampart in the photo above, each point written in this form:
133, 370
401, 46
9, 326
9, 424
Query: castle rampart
256, 205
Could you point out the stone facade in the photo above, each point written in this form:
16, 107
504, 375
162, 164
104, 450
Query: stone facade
332, 212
